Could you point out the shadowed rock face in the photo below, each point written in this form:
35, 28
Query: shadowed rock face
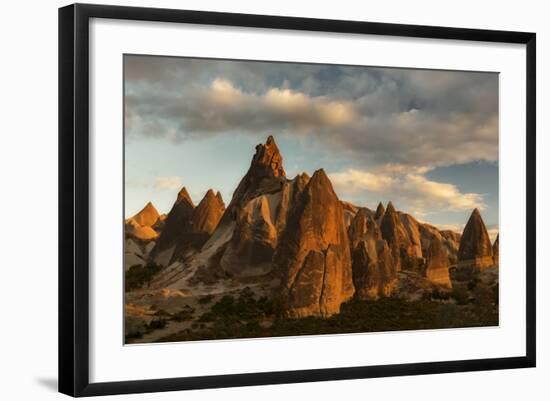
475, 246
313, 256
495, 251
203, 221
254, 239
258, 212
437, 263
177, 224
379, 213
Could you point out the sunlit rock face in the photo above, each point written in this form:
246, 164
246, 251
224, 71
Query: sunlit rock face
407, 255
437, 263
313, 256
475, 250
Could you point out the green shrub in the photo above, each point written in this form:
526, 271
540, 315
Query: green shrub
138, 276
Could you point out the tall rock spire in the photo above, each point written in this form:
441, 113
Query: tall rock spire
379, 213
437, 263
265, 174
177, 223
395, 235
208, 213
313, 255
475, 248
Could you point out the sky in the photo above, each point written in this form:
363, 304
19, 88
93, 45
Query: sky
425, 139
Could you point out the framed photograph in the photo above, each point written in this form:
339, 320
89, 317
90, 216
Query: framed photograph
251, 199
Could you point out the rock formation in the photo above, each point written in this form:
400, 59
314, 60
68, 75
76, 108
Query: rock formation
135, 230
297, 239
265, 175
495, 250
177, 224
147, 216
394, 232
379, 213
142, 225
208, 213
374, 273
413, 230
350, 210
313, 255
203, 221
363, 227
475, 250
250, 251
256, 214
437, 263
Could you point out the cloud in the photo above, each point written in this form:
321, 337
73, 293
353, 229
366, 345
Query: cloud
415, 118
416, 193
170, 182
355, 181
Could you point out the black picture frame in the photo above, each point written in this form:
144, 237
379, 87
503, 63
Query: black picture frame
74, 200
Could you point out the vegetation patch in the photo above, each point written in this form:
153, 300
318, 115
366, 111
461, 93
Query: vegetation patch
241, 317
138, 276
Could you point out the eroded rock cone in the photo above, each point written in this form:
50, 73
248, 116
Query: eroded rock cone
147, 216
363, 227
265, 175
475, 249
313, 255
397, 238
413, 230
379, 213
143, 224
177, 223
290, 192
208, 213
373, 277
437, 263
247, 235
203, 221
496, 251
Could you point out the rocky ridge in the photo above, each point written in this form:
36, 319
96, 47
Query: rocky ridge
297, 238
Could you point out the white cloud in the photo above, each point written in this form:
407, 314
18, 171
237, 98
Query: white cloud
411, 190
169, 182
355, 181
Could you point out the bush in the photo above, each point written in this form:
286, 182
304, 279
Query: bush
206, 299
183, 315
460, 294
138, 276
156, 324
